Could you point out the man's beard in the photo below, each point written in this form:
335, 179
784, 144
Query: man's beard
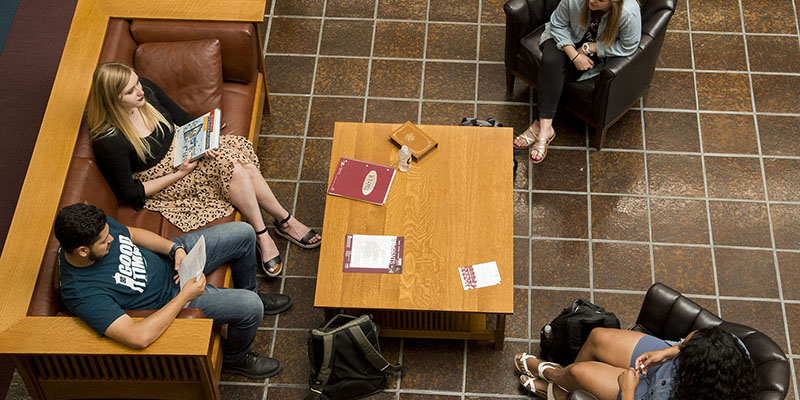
94, 256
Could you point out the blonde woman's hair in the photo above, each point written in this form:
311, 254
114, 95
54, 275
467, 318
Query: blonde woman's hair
612, 24
105, 113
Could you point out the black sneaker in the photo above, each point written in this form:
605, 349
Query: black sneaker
253, 366
275, 303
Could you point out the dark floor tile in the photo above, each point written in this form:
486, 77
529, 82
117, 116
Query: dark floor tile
746, 273
514, 116
680, 19
341, 76
726, 133
302, 314
675, 175
719, 52
669, 89
517, 323
316, 160
299, 7
488, 369
449, 81
325, 111
779, 135
293, 35
780, 20
776, 93
676, 52
492, 12
671, 131
786, 225
708, 304
240, 392
311, 203
491, 85
286, 117
547, 304
762, 315
453, 42
617, 172
454, 11
571, 175
433, 364
279, 157
346, 38
301, 262
626, 133
688, 270
521, 211
570, 130
739, 224
734, 178
261, 345
522, 258
294, 364
560, 263
390, 78
392, 111
412, 396
783, 180
559, 215
521, 180
492, 43
403, 9
679, 221
763, 56
621, 265
619, 218
399, 39
288, 393
793, 321
789, 264
445, 113
625, 306
715, 15
723, 92
289, 74
350, 8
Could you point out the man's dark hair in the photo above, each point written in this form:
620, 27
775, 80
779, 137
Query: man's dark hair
79, 225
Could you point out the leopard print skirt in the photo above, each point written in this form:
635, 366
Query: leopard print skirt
203, 195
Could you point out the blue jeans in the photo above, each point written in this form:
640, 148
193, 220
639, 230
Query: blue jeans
233, 243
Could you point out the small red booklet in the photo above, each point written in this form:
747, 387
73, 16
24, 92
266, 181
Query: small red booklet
362, 181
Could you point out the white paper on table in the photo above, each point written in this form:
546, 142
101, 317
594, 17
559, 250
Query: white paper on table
479, 275
192, 266
376, 253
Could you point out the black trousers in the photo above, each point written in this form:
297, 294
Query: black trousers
555, 70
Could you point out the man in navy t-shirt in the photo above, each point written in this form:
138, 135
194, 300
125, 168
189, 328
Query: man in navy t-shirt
107, 267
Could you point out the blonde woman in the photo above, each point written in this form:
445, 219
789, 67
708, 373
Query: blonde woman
574, 44
133, 122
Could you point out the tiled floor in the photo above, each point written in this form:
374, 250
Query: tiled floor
699, 187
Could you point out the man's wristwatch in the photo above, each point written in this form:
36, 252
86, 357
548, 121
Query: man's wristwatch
175, 248
586, 49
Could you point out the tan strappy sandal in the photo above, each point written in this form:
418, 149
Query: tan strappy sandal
541, 147
529, 140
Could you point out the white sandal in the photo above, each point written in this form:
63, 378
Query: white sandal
524, 357
528, 382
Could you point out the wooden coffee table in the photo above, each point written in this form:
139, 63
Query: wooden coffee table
454, 208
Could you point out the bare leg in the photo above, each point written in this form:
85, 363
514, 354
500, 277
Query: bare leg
244, 199
269, 203
595, 377
611, 346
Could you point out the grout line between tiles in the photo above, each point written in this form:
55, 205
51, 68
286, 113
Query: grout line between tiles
647, 193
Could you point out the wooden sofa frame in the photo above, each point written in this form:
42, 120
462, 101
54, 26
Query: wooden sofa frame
61, 357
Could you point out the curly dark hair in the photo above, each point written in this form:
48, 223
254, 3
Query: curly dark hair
713, 365
79, 225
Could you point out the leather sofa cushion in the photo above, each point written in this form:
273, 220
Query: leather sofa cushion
118, 45
189, 72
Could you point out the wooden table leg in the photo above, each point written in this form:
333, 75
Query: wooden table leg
500, 332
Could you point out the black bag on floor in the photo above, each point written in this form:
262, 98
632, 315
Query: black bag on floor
570, 329
346, 360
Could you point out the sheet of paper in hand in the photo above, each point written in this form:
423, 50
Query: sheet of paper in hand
479, 275
192, 266
373, 254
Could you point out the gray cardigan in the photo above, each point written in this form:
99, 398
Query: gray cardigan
565, 30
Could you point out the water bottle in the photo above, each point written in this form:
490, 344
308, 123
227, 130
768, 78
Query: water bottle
547, 332
404, 159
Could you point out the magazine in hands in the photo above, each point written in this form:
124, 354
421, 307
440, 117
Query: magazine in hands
197, 137
373, 254
194, 262
362, 181
479, 275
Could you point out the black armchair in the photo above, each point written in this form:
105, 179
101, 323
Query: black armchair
669, 315
602, 100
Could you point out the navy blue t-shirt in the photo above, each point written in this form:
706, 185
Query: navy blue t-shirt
128, 278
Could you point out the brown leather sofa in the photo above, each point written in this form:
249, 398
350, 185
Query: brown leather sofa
602, 100
242, 102
669, 315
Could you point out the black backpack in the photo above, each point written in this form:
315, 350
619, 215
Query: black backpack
346, 360
570, 329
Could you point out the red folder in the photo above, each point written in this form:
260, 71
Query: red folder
361, 180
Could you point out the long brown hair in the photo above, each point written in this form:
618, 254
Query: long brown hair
105, 113
612, 24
